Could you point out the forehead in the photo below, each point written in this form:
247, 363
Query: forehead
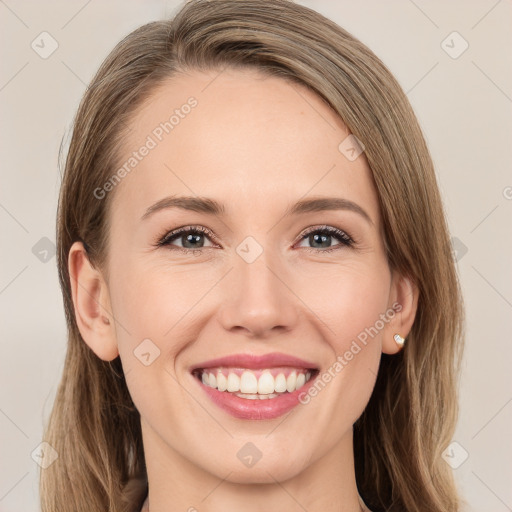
241, 137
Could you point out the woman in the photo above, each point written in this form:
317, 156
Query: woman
262, 305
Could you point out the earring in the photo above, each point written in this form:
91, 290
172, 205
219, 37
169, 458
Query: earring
399, 340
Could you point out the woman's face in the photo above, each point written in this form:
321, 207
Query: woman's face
257, 277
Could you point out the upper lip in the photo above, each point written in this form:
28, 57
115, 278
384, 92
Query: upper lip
256, 362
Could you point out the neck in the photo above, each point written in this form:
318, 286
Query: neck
326, 484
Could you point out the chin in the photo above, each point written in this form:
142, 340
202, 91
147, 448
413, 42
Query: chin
263, 473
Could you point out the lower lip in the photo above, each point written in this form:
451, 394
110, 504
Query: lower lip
247, 409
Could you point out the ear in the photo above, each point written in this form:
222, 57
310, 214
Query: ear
92, 304
404, 301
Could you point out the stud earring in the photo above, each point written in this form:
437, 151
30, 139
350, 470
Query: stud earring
399, 340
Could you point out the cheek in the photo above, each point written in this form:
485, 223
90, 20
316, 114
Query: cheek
348, 303
153, 310
348, 299
161, 312
154, 301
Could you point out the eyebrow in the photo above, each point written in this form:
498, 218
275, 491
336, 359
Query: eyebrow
212, 207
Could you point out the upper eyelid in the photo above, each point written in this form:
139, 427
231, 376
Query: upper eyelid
338, 233
202, 229
325, 227
185, 229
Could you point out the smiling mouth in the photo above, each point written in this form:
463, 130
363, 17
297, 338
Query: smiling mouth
252, 384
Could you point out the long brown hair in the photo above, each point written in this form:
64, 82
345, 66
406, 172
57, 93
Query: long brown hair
412, 413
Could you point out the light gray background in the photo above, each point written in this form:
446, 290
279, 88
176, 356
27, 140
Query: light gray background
463, 105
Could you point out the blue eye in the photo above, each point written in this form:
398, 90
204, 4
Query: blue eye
192, 239
322, 235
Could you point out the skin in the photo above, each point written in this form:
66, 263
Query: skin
256, 144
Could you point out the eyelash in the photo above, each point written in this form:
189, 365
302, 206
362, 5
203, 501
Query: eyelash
344, 239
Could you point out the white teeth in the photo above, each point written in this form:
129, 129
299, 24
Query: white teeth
248, 383
233, 382
249, 386
249, 397
222, 382
280, 383
254, 397
291, 382
266, 384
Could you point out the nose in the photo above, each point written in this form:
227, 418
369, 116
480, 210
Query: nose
257, 299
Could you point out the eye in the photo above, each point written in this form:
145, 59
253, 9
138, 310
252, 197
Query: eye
322, 238
191, 237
